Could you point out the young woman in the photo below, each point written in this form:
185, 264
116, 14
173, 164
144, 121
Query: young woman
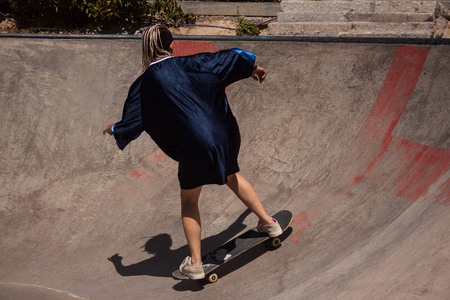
181, 103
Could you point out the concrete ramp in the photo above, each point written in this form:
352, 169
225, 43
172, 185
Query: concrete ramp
353, 138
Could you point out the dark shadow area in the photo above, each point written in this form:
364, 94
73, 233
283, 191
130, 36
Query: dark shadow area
166, 260
233, 264
250, 255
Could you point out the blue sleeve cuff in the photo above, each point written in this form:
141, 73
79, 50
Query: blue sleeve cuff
248, 56
112, 128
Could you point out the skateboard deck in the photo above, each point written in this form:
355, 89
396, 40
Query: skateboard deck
237, 246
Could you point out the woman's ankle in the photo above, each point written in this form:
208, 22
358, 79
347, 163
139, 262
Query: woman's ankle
196, 262
266, 221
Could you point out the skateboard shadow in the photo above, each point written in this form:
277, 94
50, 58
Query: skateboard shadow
234, 264
165, 260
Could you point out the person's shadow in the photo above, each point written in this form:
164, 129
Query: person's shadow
165, 260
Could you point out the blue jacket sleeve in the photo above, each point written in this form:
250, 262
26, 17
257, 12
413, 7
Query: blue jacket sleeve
228, 65
130, 127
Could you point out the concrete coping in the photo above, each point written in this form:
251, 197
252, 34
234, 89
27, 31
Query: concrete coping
317, 39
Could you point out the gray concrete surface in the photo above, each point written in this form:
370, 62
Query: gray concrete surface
258, 9
352, 138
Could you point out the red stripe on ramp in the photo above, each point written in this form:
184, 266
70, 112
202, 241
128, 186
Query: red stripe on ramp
185, 48
397, 89
401, 167
408, 170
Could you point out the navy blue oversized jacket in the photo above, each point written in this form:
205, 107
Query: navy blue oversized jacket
181, 103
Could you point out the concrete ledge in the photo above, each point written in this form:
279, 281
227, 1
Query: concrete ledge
357, 28
259, 9
389, 17
406, 6
409, 34
391, 26
325, 16
266, 38
309, 28
326, 6
353, 17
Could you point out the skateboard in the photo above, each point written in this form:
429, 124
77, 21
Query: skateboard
237, 246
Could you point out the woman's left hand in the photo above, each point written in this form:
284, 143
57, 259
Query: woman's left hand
259, 74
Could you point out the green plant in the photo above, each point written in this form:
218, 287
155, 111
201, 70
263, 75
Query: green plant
100, 13
170, 13
116, 11
73, 13
246, 28
47, 12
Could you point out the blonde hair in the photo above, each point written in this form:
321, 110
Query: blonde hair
156, 42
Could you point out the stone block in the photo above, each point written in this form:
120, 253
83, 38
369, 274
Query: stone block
308, 28
311, 17
326, 6
389, 17
409, 34
406, 6
352, 29
390, 27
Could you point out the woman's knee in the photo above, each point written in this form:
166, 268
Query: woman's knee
190, 196
232, 179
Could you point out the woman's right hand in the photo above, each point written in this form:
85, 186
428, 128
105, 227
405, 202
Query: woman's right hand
108, 129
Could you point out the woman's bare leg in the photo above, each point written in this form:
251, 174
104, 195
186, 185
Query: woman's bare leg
190, 217
244, 190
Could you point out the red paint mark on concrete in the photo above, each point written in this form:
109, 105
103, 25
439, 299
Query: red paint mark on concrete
299, 224
156, 157
401, 167
184, 48
140, 174
410, 169
137, 173
391, 102
423, 166
159, 156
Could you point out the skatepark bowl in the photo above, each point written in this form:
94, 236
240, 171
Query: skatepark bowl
351, 135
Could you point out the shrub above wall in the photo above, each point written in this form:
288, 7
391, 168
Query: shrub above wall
94, 13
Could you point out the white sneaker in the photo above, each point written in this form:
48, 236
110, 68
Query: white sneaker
273, 230
193, 272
